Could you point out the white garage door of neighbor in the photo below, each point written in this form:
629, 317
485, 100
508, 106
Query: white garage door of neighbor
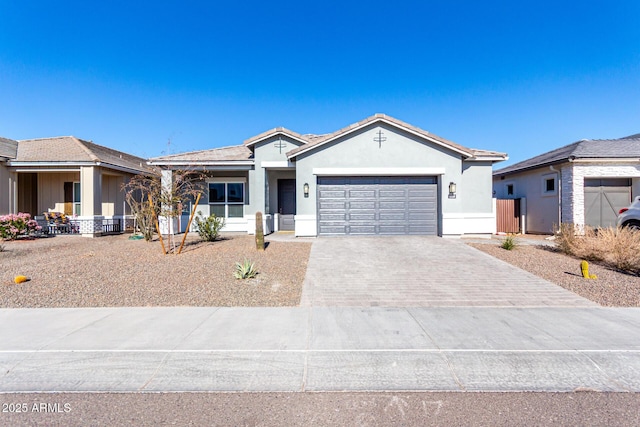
603, 198
377, 205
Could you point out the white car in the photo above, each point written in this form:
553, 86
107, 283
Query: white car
630, 217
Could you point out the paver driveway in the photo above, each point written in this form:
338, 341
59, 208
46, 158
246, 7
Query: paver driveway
417, 271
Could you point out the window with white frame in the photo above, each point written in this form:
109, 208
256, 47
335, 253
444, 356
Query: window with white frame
76, 198
549, 185
226, 199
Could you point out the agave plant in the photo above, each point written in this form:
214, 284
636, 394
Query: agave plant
245, 270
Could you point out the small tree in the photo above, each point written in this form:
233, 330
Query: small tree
166, 200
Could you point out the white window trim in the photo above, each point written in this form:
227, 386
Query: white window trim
545, 178
73, 197
229, 180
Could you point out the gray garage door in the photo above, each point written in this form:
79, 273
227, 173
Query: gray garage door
603, 198
377, 205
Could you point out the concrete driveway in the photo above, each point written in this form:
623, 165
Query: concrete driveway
417, 271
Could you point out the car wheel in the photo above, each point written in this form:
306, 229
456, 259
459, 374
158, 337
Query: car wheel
633, 225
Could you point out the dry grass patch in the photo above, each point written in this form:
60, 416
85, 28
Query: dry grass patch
617, 248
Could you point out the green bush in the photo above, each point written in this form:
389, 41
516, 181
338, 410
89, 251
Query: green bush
209, 228
245, 270
509, 242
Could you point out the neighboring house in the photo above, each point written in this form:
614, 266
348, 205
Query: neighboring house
8, 151
584, 183
69, 175
377, 176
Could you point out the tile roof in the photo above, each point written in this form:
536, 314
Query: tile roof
69, 150
233, 153
622, 148
309, 141
8, 148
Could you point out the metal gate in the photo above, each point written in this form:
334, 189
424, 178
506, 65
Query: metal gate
508, 215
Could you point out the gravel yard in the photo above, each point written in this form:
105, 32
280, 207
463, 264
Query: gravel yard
611, 288
113, 271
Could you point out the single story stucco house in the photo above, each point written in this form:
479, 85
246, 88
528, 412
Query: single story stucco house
583, 183
377, 176
66, 174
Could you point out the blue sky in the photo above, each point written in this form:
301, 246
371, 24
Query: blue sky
520, 77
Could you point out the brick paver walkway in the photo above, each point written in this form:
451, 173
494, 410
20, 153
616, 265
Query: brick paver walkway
417, 271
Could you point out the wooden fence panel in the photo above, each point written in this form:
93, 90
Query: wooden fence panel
508, 215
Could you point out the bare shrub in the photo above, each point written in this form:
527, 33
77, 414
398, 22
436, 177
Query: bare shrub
615, 247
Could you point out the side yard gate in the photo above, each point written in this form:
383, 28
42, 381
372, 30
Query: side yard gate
508, 215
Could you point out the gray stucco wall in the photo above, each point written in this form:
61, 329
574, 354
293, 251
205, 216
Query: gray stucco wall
266, 151
360, 150
542, 210
475, 190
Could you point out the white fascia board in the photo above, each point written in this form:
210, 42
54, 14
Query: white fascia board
278, 164
50, 164
45, 170
395, 125
377, 171
607, 160
200, 163
487, 159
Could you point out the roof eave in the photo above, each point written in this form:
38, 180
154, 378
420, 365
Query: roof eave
201, 163
494, 159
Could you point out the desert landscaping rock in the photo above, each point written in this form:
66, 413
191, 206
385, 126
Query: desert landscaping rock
113, 271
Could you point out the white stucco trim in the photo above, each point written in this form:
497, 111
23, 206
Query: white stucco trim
250, 224
306, 225
377, 171
458, 224
277, 164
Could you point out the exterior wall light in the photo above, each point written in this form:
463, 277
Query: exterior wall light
452, 190
305, 188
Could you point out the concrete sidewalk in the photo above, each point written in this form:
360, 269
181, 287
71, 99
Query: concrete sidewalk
319, 349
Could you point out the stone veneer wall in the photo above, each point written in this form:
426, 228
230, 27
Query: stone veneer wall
573, 175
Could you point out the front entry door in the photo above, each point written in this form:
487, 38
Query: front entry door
286, 203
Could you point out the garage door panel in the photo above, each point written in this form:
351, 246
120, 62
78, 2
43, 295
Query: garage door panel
362, 229
426, 193
332, 204
387, 205
333, 194
378, 205
361, 194
335, 217
364, 204
392, 193
393, 216
361, 216
392, 229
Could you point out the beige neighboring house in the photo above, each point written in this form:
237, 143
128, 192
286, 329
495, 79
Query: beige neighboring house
583, 183
8, 152
70, 175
